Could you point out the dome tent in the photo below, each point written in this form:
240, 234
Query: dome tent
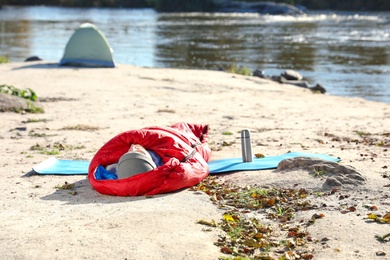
88, 47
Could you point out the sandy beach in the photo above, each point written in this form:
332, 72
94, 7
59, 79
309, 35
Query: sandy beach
86, 107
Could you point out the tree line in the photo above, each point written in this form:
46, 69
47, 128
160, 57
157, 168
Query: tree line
205, 5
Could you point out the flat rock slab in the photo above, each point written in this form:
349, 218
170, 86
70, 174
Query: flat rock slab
337, 174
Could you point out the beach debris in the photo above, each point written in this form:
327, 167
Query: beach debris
378, 139
380, 253
259, 155
383, 239
48, 149
337, 174
378, 218
347, 210
81, 127
206, 222
166, 110
20, 128
245, 234
65, 186
56, 99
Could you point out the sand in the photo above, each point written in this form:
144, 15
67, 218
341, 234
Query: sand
85, 107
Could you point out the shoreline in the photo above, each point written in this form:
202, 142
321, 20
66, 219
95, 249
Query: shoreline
84, 108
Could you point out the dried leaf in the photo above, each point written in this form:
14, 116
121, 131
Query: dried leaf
251, 243
73, 192
228, 218
317, 216
270, 202
66, 186
374, 208
246, 235
259, 155
226, 250
206, 223
263, 230
386, 218
307, 256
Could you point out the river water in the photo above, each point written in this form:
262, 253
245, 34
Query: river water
347, 53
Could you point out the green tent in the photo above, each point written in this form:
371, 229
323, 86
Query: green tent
88, 47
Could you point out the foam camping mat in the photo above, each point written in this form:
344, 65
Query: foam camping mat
268, 162
76, 167
62, 167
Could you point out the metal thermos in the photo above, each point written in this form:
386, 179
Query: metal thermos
246, 146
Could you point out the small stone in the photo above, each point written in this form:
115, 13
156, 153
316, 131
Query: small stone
33, 58
259, 73
291, 75
380, 253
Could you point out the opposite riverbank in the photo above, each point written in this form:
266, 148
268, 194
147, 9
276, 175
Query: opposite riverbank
84, 108
205, 5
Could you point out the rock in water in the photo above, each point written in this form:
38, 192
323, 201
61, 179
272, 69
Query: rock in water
291, 75
318, 88
33, 58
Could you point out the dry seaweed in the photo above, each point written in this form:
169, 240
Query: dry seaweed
245, 236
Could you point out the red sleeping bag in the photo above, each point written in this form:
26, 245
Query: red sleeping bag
184, 152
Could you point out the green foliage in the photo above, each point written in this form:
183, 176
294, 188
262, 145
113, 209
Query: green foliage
54, 149
32, 108
383, 239
3, 59
248, 237
47, 150
23, 93
35, 120
362, 133
81, 127
239, 70
319, 172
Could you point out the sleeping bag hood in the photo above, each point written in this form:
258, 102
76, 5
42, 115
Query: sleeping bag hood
184, 152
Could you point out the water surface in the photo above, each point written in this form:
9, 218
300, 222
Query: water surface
348, 53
